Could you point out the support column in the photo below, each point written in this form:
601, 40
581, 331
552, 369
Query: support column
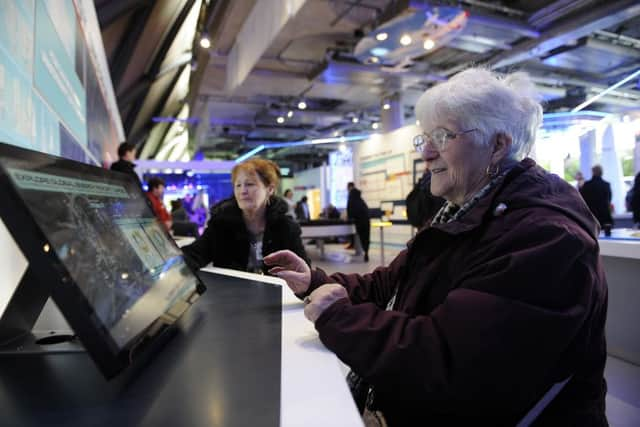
587, 153
393, 118
612, 168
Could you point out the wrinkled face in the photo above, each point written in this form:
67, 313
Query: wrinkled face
250, 191
458, 170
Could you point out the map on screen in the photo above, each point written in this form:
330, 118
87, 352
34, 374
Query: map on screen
108, 239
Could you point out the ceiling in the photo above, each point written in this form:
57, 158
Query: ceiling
177, 98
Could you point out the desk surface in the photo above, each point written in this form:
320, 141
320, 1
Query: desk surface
244, 355
623, 243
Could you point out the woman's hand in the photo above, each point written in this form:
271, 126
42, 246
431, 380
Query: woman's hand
291, 268
321, 298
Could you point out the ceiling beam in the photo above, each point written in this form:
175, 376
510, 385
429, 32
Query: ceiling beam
138, 92
169, 38
127, 45
606, 15
110, 11
158, 111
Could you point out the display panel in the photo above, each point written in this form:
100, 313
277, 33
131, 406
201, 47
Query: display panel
121, 274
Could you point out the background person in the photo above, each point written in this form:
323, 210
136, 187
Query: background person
251, 224
182, 225
358, 211
302, 210
635, 200
501, 296
155, 195
126, 155
597, 194
288, 197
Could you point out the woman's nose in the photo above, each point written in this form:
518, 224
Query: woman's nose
429, 153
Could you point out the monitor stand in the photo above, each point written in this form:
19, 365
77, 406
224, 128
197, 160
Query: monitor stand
32, 323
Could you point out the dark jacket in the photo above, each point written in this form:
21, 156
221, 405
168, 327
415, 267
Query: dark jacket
225, 241
597, 194
635, 199
491, 311
357, 209
127, 167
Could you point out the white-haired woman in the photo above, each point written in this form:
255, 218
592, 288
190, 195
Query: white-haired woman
499, 298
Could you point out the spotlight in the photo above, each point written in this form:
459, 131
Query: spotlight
280, 119
386, 106
302, 105
417, 122
205, 42
428, 44
290, 114
381, 36
375, 125
405, 40
355, 119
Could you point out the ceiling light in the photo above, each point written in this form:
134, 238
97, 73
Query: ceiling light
280, 119
290, 113
372, 60
342, 147
205, 42
379, 51
405, 40
336, 133
355, 119
375, 125
302, 105
381, 36
428, 44
386, 106
343, 139
417, 122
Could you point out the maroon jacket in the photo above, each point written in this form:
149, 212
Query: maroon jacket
492, 310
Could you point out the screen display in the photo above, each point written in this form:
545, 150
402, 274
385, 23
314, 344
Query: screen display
104, 233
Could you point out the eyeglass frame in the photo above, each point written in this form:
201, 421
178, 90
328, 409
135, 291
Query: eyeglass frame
421, 140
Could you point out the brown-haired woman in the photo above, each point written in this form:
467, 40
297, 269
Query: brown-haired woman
248, 226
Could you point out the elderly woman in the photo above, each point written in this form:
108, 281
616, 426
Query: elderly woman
248, 226
499, 301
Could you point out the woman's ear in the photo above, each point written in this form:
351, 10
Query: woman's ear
501, 148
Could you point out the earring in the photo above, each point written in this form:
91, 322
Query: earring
492, 173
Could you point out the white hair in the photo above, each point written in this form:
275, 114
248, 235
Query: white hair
478, 98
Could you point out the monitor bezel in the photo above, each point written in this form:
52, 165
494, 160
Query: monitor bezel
51, 274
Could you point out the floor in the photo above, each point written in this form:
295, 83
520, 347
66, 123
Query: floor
623, 378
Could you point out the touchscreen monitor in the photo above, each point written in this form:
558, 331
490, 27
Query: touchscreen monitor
92, 240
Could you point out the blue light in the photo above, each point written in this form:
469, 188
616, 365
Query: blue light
379, 51
250, 153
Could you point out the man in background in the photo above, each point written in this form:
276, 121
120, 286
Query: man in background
597, 194
126, 154
358, 211
155, 194
302, 210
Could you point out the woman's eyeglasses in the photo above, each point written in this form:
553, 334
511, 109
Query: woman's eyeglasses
437, 138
